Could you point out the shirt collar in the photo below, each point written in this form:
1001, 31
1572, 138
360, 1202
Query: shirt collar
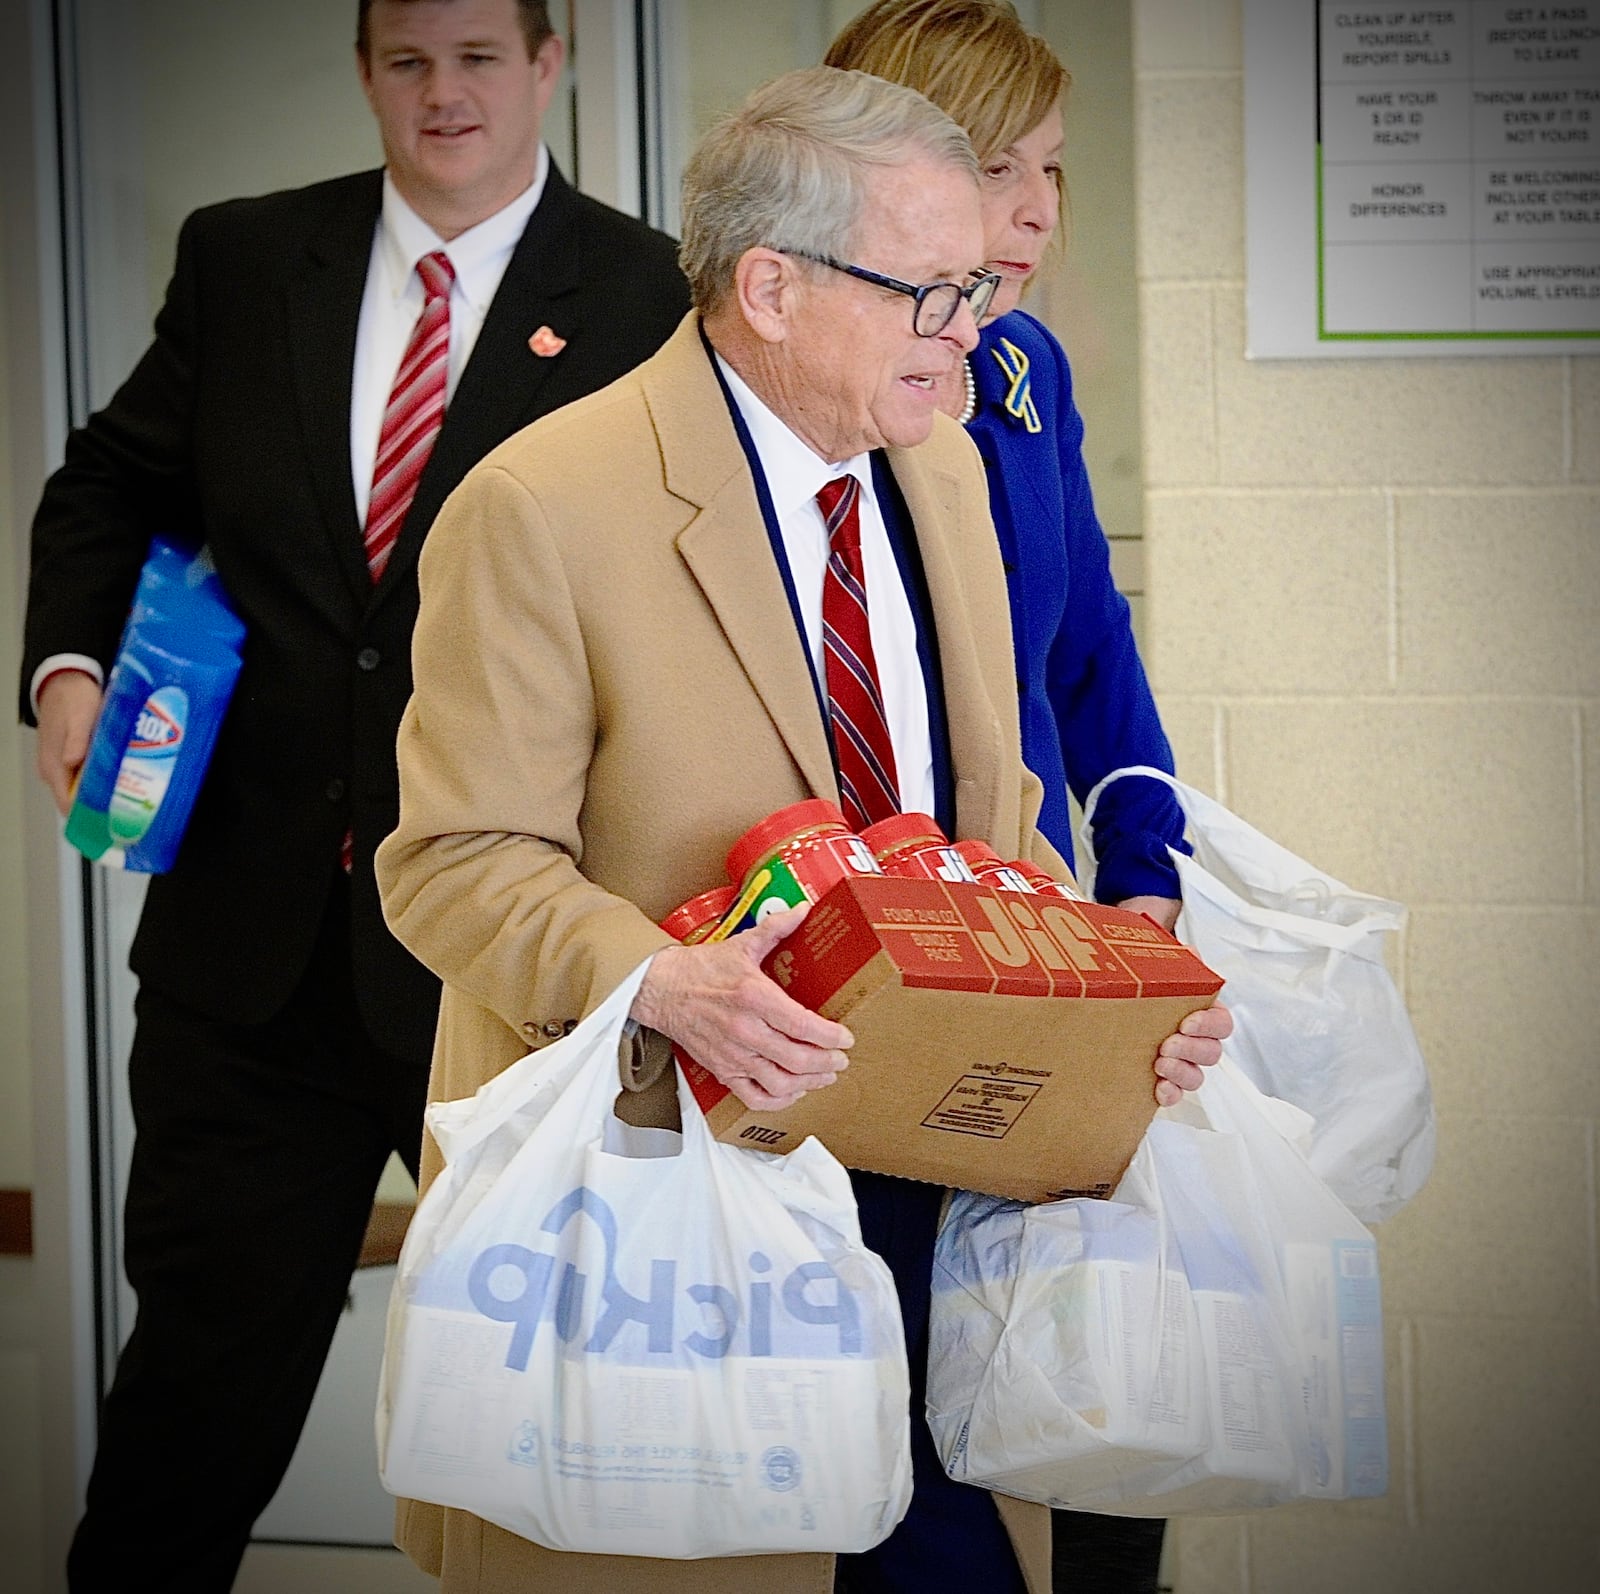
478, 255
793, 469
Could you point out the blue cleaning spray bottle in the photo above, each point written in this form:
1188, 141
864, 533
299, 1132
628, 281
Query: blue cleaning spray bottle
175, 671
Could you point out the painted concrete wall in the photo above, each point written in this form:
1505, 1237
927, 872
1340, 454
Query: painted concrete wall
1372, 591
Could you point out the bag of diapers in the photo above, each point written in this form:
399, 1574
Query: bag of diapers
1210, 1339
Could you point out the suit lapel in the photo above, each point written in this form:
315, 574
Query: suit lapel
728, 554
323, 307
726, 549
934, 500
499, 389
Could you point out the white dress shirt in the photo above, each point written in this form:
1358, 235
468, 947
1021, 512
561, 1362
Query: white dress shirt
389, 310
394, 298
795, 473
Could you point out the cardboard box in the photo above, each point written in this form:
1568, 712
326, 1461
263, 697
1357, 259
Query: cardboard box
1004, 1043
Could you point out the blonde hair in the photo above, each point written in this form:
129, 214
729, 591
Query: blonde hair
972, 58
786, 170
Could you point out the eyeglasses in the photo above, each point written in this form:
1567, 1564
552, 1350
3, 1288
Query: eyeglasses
936, 302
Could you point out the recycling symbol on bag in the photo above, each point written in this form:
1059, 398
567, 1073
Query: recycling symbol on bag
780, 1469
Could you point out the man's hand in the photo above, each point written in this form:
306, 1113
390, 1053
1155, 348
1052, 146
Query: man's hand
1164, 910
715, 1002
69, 701
1198, 1042
1196, 1046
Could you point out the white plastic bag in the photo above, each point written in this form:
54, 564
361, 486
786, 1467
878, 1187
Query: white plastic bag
1319, 1022
1208, 1340
637, 1342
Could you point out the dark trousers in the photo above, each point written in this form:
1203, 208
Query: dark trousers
952, 1536
1093, 1554
256, 1155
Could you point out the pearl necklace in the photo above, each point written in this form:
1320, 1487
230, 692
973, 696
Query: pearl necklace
970, 407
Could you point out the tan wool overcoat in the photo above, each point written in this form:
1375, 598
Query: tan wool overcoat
610, 689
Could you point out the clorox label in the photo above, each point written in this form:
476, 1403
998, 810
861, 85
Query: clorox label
148, 764
160, 725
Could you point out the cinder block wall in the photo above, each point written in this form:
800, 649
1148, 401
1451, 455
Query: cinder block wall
1373, 622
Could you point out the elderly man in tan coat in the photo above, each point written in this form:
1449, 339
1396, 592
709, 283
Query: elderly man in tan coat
625, 657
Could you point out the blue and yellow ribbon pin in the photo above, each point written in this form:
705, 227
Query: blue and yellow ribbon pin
1019, 397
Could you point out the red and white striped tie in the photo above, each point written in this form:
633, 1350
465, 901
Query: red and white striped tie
416, 411
869, 788
410, 426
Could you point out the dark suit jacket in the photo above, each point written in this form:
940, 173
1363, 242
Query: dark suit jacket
234, 430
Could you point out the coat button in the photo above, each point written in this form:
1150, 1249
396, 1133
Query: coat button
334, 791
553, 1030
368, 659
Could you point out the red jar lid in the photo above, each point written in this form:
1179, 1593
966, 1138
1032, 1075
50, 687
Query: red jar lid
1029, 870
1046, 882
765, 837
699, 912
980, 855
900, 831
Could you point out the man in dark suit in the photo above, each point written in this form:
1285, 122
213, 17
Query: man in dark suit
287, 416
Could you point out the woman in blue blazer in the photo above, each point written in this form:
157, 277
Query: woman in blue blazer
1085, 704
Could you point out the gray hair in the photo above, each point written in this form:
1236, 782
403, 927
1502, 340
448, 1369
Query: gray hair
788, 168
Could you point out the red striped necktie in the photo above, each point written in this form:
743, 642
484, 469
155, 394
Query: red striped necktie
869, 788
410, 426
415, 412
